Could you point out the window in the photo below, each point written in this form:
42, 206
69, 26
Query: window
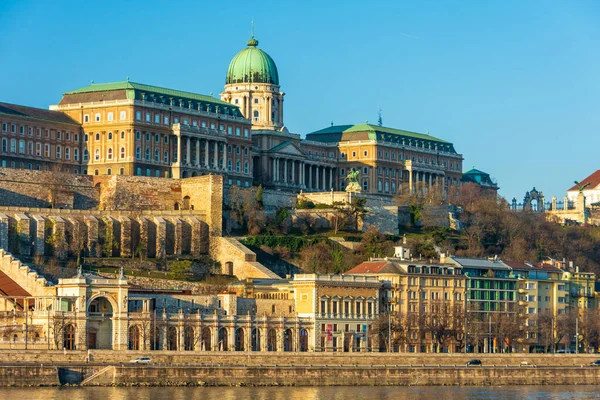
379, 186
157, 138
365, 185
98, 117
156, 155
97, 136
38, 149
246, 151
230, 130
237, 166
67, 135
157, 118
238, 131
109, 171
122, 135
67, 153
246, 167
138, 135
46, 150
13, 128
97, 154
245, 132
4, 127
175, 120
76, 154
255, 101
138, 115
110, 117
166, 120
5, 145
147, 137
353, 154
22, 147
122, 116
166, 139
148, 116
58, 135
166, 157
109, 135
237, 150
121, 171
122, 155
365, 171
86, 155
138, 153
185, 122
365, 153
85, 137
147, 154
256, 115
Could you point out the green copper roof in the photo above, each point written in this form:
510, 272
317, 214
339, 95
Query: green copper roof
373, 132
132, 87
252, 65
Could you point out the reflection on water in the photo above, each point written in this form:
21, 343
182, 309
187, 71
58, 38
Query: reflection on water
301, 393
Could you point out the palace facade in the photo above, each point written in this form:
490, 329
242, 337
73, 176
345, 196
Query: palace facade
128, 128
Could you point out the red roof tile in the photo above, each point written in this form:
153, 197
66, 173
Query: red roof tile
373, 267
593, 180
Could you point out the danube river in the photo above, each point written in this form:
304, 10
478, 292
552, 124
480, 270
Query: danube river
301, 393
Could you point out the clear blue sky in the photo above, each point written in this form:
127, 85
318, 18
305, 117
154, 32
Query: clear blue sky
513, 84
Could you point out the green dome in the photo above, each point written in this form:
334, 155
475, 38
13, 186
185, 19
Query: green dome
252, 65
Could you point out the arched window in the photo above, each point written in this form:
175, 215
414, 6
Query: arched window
379, 186
229, 165
148, 154
166, 157
86, 155
96, 172
97, 154
109, 153
246, 167
156, 155
138, 153
256, 115
58, 152
109, 135
122, 155
123, 115
237, 166
122, 134
97, 136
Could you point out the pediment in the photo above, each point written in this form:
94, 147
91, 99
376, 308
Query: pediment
287, 148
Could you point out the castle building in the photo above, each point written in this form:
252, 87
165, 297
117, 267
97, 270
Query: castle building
128, 128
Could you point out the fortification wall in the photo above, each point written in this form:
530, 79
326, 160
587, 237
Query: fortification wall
45, 189
345, 197
120, 192
61, 233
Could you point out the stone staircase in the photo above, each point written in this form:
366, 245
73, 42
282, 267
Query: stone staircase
24, 276
102, 377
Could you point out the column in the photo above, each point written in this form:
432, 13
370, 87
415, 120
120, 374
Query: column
324, 178
206, 164
301, 173
430, 179
216, 155
316, 177
331, 178
188, 150
310, 176
273, 177
410, 181
198, 152
277, 177
225, 156
179, 149
285, 172
293, 180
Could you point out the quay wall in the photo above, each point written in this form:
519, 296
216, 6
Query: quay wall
294, 375
296, 358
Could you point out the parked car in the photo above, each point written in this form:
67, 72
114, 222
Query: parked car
141, 360
595, 363
563, 351
473, 362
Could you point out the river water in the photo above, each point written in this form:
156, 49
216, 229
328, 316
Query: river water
302, 393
